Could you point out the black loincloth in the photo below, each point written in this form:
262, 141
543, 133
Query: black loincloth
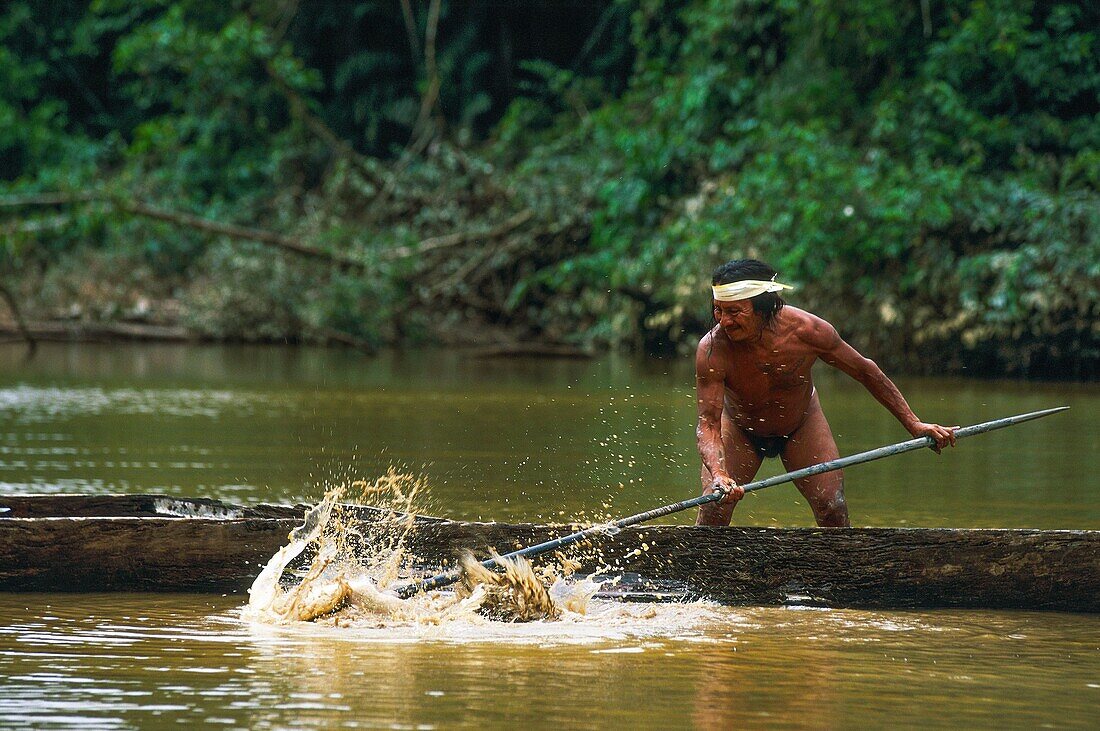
767, 446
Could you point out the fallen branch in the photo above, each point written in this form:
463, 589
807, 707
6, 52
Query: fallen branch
480, 256
456, 239
522, 350
68, 331
180, 218
237, 232
478, 261
338, 336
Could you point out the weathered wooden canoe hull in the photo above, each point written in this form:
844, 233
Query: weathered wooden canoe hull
135, 543
139, 543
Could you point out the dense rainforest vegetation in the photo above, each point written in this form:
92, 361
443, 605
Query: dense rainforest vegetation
559, 171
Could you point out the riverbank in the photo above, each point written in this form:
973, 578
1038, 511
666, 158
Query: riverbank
943, 226
30, 334
476, 340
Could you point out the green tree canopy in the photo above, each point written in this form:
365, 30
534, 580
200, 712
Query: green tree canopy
925, 172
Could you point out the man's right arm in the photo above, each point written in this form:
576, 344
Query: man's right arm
710, 390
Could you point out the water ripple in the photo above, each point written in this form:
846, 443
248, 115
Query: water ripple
33, 404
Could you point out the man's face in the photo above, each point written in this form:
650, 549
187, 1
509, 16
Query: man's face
737, 319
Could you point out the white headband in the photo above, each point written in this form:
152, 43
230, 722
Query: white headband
746, 288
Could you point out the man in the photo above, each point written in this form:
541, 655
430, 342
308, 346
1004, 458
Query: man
757, 399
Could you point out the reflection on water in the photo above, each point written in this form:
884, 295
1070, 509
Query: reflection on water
29, 405
125, 661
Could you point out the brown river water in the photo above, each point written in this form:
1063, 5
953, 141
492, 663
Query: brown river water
521, 440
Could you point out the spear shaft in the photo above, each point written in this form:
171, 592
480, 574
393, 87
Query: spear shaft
450, 577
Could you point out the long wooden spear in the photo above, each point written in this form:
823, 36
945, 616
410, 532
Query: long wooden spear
612, 528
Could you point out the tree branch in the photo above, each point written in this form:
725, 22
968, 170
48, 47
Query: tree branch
594, 37
237, 232
189, 220
410, 28
32, 344
300, 109
462, 237
288, 10
422, 132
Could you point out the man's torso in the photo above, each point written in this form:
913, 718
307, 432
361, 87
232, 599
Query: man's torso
768, 382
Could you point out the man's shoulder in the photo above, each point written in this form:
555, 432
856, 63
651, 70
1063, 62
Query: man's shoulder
712, 349
709, 341
808, 327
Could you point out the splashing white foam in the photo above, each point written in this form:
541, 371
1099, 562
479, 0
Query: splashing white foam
347, 584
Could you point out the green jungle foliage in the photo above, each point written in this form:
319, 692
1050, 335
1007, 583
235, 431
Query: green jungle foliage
569, 172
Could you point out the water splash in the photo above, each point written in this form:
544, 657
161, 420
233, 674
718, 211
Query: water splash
268, 600
515, 593
345, 564
356, 561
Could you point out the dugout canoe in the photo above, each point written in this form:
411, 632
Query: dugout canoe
62, 543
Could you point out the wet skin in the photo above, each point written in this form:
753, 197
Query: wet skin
753, 379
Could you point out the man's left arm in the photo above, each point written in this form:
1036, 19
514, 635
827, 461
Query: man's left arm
840, 355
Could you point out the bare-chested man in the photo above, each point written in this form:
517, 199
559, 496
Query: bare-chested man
757, 399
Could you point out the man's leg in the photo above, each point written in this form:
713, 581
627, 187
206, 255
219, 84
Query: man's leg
811, 444
742, 462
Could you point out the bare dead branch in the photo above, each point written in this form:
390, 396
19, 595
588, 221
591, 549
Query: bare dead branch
237, 232
479, 257
180, 218
480, 265
53, 331
462, 237
338, 336
522, 350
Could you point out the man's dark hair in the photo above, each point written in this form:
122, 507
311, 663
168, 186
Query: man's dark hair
768, 304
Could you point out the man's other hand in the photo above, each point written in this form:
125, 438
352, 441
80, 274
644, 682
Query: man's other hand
732, 491
943, 435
